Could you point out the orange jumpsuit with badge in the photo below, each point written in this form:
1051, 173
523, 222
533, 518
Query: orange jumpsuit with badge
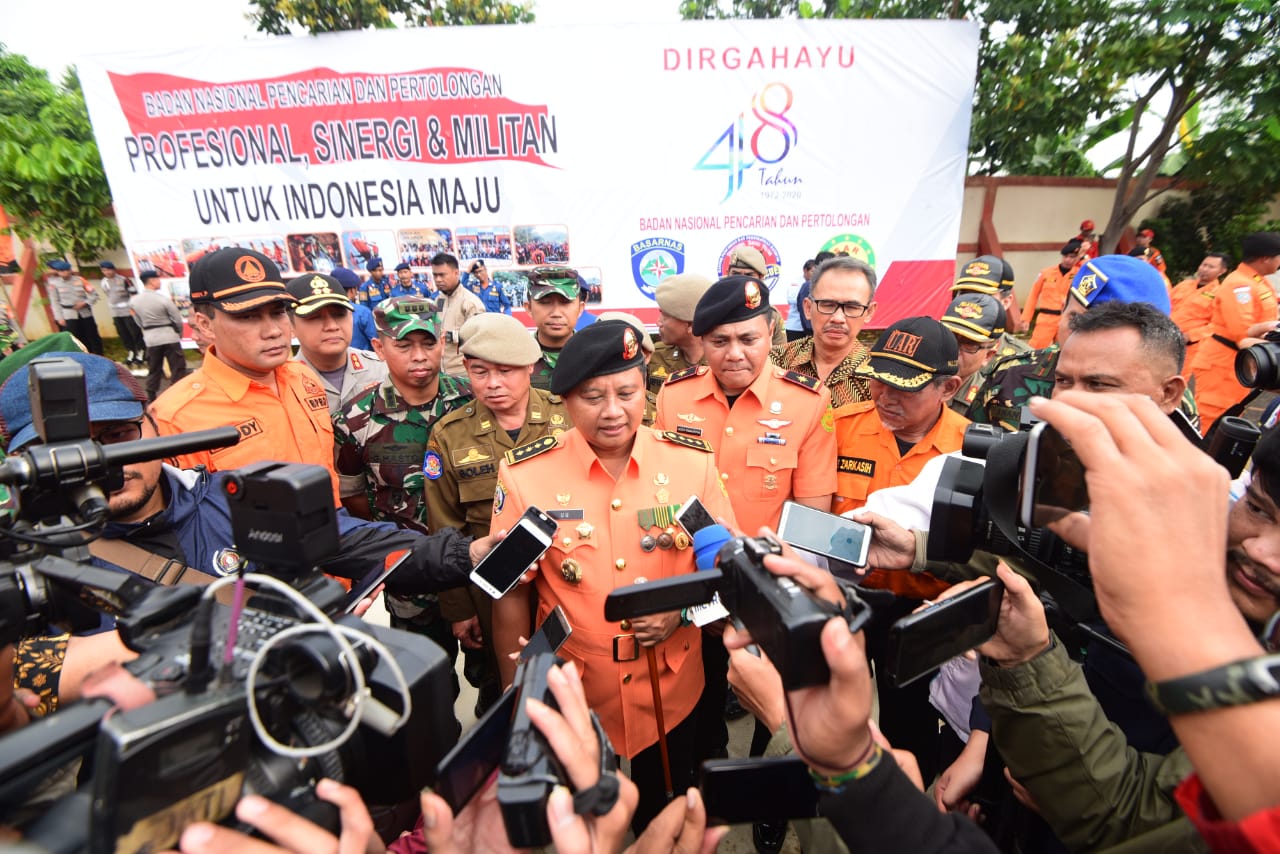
1243, 299
1192, 310
1046, 299
869, 459
291, 424
775, 444
600, 547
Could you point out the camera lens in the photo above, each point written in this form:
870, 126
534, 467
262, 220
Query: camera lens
1256, 366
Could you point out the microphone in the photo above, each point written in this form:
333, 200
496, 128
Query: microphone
707, 543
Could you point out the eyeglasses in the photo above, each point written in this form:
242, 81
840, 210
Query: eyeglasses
850, 309
974, 347
121, 431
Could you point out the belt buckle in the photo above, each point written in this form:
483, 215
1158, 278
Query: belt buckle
635, 648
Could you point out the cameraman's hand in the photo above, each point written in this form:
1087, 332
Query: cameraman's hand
951, 792
468, 633
1023, 631
366, 603
818, 581
757, 684
892, 546
573, 738
653, 629
293, 832
477, 828
15, 704
481, 546
680, 827
829, 723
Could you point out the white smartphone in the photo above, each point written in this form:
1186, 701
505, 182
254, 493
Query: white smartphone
501, 568
1052, 479
693, 516
824, 533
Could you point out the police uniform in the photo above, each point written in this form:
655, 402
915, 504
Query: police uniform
494, 298
607, 539
372, 292
362, 368
119, 289
1243, 299
66, 295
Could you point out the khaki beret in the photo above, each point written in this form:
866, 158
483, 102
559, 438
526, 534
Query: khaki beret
646, 342
498, 338
749, 256
678, 295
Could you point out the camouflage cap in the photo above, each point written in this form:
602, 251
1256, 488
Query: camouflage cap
554, 280
399, 316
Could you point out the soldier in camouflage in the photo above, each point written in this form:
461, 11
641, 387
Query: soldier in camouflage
381, 441
555, 303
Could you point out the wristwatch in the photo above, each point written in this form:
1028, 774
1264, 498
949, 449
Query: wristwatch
1234, 684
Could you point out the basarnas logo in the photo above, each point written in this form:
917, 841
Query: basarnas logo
654, 259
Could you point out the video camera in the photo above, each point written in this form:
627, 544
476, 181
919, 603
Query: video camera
784, 618
1001, 507
263, 697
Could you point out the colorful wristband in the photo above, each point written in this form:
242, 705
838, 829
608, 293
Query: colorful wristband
837, 782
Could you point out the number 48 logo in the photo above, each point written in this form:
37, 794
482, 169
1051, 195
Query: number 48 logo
771, 137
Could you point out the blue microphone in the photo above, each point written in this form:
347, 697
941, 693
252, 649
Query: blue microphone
707, 543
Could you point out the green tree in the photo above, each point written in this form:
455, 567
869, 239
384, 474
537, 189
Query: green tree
327, 16
1057, 76
52, 184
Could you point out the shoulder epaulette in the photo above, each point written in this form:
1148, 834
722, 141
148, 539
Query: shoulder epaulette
685, 374
531, 450
802, 380
856, 408
688, 441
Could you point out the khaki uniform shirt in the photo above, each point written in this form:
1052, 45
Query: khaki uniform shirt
364, 369
459, 307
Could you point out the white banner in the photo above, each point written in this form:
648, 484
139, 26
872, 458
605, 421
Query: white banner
627, 152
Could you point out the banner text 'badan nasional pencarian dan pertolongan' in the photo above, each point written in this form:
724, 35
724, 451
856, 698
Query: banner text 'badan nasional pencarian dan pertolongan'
629, 152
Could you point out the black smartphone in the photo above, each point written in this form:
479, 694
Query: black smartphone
744, 791
920, 643
550, 636
524, 543
475, 757
1052, 479
693, 516
824, 533
372, 579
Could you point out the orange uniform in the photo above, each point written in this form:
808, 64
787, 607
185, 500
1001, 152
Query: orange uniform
1192, 310
1046, 299
869, 459
1243, 299
1156, 259
775, 444
598, 549
292, 426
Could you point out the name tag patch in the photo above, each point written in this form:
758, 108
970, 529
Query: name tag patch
856, 465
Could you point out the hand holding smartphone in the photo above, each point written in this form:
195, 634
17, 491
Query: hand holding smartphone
826, 534
501, 568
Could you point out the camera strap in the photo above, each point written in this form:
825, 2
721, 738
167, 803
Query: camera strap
599, 799
153, 567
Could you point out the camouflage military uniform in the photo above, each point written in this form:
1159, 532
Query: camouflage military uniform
380, 448
973, 386
543, 368
1014, 380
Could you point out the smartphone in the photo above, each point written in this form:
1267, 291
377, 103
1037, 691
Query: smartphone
920, 643
550, 636
1184, 425
1052, 479
744, 791
824, 533
693, 516
475, 757
371, 580
501, 568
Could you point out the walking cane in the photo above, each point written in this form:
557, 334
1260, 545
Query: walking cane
652, 654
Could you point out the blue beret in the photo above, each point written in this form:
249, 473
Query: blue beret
1120, 278
59, 265
106, 265
373, 263
347, 278
403, 265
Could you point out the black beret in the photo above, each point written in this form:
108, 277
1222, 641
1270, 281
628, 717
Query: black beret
730, 300
1261, 244
605, 347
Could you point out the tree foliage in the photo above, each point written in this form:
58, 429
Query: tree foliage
327, 16
1057, 76
52, 184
